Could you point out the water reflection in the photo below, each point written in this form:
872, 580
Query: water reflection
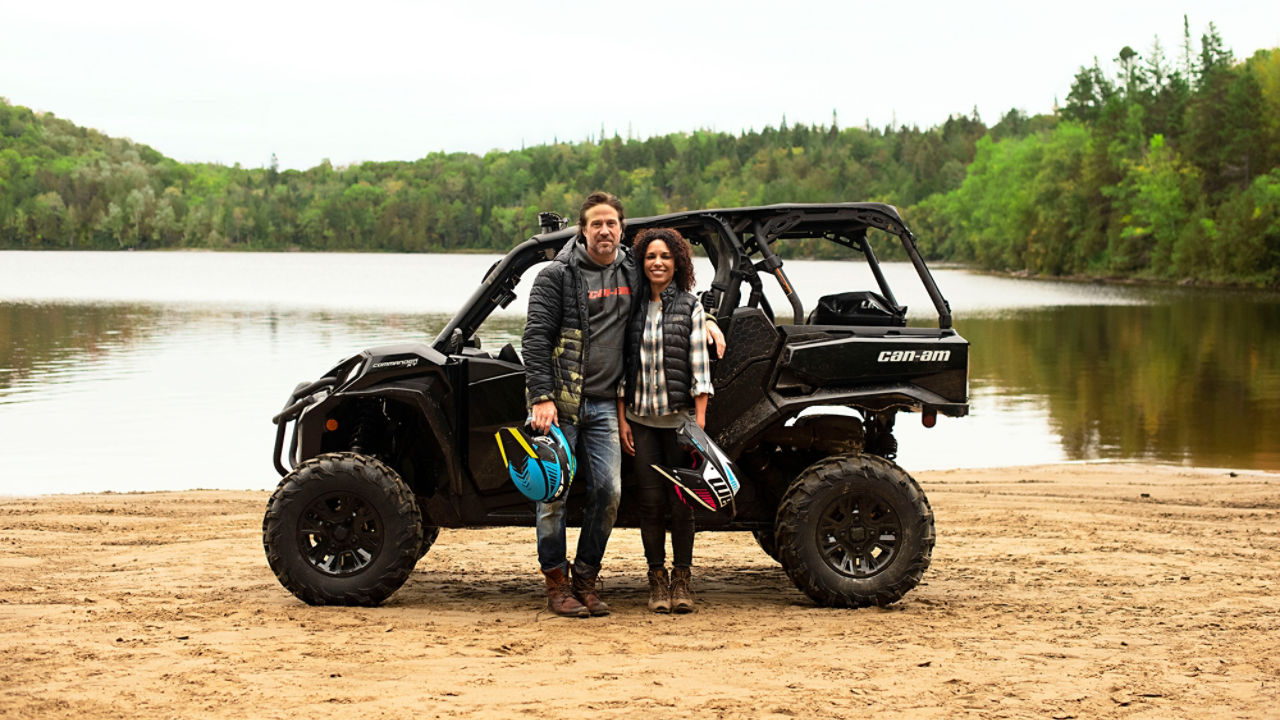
1195, 379
51, 343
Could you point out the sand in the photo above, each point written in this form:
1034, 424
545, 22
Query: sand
1070, 591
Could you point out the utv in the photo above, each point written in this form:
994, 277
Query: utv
397, 441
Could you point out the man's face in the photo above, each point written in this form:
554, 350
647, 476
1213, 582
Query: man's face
603, 232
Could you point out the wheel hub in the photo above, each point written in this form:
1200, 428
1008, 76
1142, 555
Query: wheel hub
340, 534
858, 535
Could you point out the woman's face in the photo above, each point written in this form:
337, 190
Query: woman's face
659, 266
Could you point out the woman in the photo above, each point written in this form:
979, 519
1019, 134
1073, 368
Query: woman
668, 378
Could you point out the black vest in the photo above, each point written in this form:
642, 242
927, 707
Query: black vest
677, 329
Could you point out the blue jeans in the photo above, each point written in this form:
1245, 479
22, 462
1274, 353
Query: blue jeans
600, 466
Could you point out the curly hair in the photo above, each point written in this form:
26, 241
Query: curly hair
680, 253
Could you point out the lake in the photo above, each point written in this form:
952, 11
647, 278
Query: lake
146, 371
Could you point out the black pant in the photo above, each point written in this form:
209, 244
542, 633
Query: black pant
657, 497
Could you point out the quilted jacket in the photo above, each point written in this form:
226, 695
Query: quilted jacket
557, 335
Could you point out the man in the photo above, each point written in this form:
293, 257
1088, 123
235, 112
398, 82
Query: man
573, 347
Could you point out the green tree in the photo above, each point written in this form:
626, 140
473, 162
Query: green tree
1159, 197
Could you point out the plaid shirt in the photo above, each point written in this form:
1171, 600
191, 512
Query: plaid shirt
651, 391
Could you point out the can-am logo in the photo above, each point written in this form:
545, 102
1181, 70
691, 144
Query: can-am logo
411, 362
914, 356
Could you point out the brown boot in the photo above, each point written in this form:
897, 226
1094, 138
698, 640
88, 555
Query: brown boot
560, 599
681, 594
584, 586
659, 591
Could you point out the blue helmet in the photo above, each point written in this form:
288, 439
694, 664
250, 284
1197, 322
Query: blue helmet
711, 480
541, 466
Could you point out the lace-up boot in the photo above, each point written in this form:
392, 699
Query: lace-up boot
659, 591
584, 587
560, 599
681, 593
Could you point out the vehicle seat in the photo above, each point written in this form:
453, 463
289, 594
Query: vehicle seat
508, 354
742, 376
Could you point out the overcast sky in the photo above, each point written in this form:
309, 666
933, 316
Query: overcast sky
235, 81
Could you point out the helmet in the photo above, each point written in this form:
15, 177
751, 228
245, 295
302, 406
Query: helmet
541, 466
712, 480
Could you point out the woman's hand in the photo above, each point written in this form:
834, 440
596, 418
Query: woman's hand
700, 410
715, 336
624, 431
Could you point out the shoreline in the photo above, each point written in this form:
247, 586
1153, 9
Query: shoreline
1117, 280
1163, 467
1145, 465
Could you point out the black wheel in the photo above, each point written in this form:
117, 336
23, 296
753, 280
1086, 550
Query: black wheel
429, 535
768, 542
430, 532
855, 530
342, 529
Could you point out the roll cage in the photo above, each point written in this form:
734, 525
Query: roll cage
739, 243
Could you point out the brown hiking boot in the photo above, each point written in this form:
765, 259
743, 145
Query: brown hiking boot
584, 586
659, 591
560, 599
681, 594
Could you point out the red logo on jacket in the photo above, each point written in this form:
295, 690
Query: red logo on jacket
608, 292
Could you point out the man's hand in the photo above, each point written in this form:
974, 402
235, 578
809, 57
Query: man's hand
544, 415
716, 337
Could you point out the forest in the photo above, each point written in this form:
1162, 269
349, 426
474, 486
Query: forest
1152, 167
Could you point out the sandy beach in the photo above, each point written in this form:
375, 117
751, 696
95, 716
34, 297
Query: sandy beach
1069, 591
